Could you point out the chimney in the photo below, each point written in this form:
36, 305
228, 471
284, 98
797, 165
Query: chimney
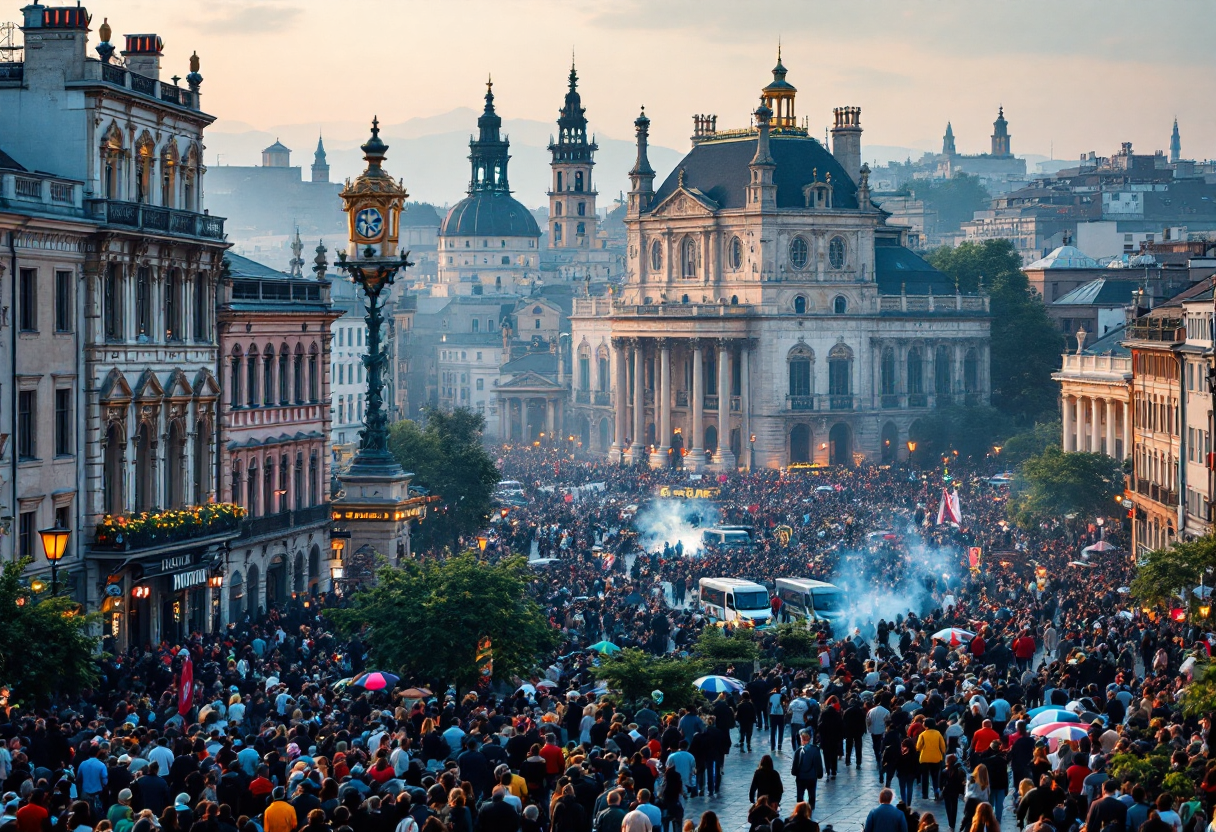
846, 140
55, 40
143, 55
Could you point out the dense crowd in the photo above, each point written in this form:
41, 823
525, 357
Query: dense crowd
269, 744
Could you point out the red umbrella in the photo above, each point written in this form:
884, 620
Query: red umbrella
376, 680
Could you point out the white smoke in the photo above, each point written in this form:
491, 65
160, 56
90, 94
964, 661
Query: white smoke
674, 521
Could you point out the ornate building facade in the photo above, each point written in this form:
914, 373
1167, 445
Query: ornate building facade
769, 315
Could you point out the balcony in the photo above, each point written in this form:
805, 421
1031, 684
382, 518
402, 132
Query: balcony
918, 400
603, 398
155, 529
38, 192
711, 403
253, 527
800, 404
890, 401
157, 220
1164, 330
142, 84
840, 402
278, 290
681, 398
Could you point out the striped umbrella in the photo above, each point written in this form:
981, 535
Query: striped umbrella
1056, 715
1063, 731
719, 684
954, 636
1046, 729
377, 680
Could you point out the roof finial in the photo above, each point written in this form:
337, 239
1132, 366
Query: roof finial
376, 126
778, 48
489, 82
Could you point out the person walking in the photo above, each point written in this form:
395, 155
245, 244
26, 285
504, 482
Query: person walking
884, 817
977, 793
831, 735
745, 719
853, 724
807, 769
876, 724
766, 781
931, 746
776, 720
954, 784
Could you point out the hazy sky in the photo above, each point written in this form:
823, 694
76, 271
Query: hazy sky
1079, 74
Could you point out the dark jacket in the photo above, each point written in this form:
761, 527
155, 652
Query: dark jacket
808, 763
497, 815
766, 781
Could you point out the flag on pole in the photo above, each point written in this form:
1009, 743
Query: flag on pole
949, 511
185, 687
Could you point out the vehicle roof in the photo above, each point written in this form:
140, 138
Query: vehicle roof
731, 583
806, 583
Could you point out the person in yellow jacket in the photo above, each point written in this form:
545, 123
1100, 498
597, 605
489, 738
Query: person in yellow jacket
931, 746
280, 816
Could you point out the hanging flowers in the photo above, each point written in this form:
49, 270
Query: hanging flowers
151, 528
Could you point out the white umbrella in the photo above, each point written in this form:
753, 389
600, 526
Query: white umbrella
546, 683
1100, 546
526, 688
954, 636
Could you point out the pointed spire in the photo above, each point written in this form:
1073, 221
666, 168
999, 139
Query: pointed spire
573, 73
763, 114
374, 150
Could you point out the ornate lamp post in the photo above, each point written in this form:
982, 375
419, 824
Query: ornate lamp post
55, 545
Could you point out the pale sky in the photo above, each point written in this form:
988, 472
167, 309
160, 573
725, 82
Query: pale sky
1078, 75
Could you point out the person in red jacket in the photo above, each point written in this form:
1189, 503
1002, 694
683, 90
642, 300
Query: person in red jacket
1023, 650
977, 646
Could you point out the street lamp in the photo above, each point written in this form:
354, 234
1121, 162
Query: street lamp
482, 540
55, 545
216, 582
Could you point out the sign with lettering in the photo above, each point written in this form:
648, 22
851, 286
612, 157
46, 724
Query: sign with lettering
192, 577
689, 493
378, 515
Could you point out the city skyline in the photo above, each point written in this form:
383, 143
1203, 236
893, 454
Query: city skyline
901, 65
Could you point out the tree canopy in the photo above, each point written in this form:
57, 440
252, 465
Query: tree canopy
635, 674
1026, 344
425, 620
1165, 572
954, 200
447, 457
45, 648
1054, 484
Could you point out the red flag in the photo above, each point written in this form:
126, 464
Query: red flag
185, 687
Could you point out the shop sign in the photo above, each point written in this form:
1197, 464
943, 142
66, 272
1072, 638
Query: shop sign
690, 493
189, 578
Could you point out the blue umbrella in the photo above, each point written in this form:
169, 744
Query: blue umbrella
605, 647
719, 684
1054, 715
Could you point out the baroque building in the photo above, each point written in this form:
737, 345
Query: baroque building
769, 314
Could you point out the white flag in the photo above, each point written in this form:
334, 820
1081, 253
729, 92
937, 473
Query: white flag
949, 510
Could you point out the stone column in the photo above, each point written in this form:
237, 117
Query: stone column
1095, 428
1108, 410
662, 406
724, 458
1070, 436
1127, 429
695, 460
550, 419
745, 403
1083, 420
637, 445
619, 389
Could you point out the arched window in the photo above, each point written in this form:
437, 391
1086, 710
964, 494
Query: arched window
173, 305
268, 376
603, 371
559, 182
656, 256
202, 461
800, 253
557, 232
269, 505
578, 181
840, 373
297, 375
840, 305
584, 367
284, 378
175, 465
836, 252
943, 382
144, 160
887, 381
115, 470
314, 382
800, 305
235, 392
168, 175
971, 373
801, 360
314, 480
916, 373
735, 254
145, 499
284, 489
297, 482
251, 367
688, 258
557, 206
253, 491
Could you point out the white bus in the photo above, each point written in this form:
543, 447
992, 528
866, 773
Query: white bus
736, 601
814, 600
728, 537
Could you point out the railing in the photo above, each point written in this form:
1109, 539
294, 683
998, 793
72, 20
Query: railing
27, 188
163, 528
840, 402
62, 192
1168, 330
171, 94
933, 303
681, 398
151, 87
112, 74
918, 400
257, 526
143, 84
12, 72
602, 397
800, 403
711, 403
276, 290
582, 397
155, 218
890, 401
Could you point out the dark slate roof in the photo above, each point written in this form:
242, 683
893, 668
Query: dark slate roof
489, 214
898, 269
718, 169
9, 163
239, 266
541, 363
419, 214
1101, 292
1109, 344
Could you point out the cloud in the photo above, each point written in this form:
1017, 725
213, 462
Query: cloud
251, 18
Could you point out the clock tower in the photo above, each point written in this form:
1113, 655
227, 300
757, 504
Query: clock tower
373, 204
572, 217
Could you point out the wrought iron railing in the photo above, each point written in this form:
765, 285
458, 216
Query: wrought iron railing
156, 218
711, 402
800, 403
890, 401
840, 402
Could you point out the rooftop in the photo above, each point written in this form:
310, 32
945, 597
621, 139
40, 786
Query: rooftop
1064, 257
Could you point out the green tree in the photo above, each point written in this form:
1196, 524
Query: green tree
955, 200
718, 649
447, 457
45, 648
1026, 344
634, 674
1032, 442
1055, 484
425, 620
1164, 573
1199, 697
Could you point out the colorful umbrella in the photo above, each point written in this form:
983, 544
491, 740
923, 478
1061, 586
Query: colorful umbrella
417, 693
954, 636
1056, 715
1061, 731
606, 647
719, 684
377, 680
1033, 712
526, 688
546, 683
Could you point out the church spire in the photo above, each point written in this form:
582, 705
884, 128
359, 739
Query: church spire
488, 153
948, 141
1175, 144
1000, 134
320, 166
641, 177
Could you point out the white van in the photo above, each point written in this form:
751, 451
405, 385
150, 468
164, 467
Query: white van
809, 599
727, 537
735, 600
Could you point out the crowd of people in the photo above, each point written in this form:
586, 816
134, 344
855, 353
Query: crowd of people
943, 726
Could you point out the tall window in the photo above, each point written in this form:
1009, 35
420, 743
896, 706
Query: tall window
112, 479
112, 302
202, 462
578, 180
314, 497
27, 525
268, 376
63, 301
584, 372
689, 258
268, 504
971, 374
252, 489
297, 482
173, 306
27, 301
27, 424
604, 373
314, 386
238, 491
916, 373
800, 376
942, 381
840, 372
235, 389
202, 301
888, 372
656, 256
297, 374
63, 423
251, 374
284, 379
143, 303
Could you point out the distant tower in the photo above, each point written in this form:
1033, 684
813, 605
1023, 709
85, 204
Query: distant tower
846, 139
948, 141
572, 217
641, 175
320, 167
489, 152
276, 156
1000, 135
1175, 144
779, 98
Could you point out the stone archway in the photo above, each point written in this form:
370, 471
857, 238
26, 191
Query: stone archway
800, 444
889, 443
840, 445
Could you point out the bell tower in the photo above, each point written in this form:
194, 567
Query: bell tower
1000, 135
572, 217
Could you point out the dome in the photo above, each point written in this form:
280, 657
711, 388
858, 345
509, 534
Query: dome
719, 170
489, 214
1064, 257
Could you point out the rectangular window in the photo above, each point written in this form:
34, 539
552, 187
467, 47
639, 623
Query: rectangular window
63, 301
112, 303
28, 301
63, 519
27, 533
63, 423
27, 424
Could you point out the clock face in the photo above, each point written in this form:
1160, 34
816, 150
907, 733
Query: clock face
368, 223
